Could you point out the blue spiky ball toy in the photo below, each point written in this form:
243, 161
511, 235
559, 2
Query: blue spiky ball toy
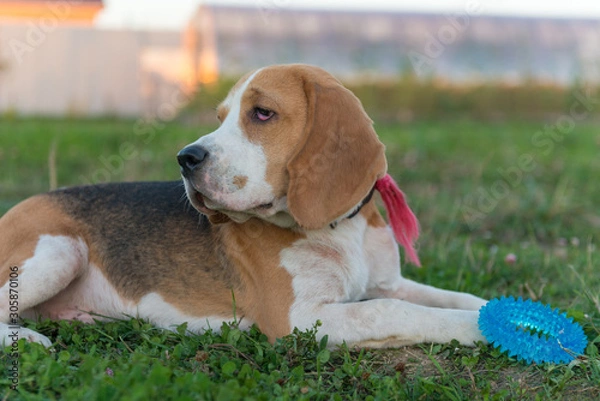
531, 331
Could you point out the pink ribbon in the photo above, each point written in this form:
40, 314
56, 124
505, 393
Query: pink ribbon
402, 219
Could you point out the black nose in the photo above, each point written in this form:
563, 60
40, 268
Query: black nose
191, 157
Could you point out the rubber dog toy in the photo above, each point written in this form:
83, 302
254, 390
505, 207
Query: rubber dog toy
531, 331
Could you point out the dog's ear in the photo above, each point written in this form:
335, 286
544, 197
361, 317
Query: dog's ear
339, 159
218, 218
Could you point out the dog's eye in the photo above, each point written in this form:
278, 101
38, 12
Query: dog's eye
263, 114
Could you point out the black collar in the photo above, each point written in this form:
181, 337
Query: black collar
360, 206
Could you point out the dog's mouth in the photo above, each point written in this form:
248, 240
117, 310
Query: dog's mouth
198, 201
209, 207
201, 205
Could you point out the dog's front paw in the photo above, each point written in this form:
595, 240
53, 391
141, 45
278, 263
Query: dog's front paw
468, 330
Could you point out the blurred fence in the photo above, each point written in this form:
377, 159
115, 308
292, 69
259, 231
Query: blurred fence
85, 71
458, 47
402, 66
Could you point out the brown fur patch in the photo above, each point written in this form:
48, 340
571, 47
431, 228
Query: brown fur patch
340, 157
202, 291
372, 215
22, 226
240, 181
262, 288
265, 294
222, 112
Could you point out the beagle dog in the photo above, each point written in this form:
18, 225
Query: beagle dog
281, 232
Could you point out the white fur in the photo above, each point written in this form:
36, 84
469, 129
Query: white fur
56, 261
159, 312
89, 297
337, 273
231, 154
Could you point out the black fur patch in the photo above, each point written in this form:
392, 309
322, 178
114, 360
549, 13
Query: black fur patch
143, 231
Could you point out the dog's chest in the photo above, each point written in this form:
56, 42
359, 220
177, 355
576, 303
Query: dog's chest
331, 263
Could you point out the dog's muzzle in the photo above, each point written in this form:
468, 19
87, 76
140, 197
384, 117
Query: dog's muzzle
190, 158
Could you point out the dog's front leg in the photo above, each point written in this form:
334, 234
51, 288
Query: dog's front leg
385, 280
354, 291
427, 295
390, 323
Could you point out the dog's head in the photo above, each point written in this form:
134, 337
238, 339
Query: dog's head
294, 148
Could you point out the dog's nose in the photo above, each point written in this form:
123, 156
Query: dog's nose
191, 157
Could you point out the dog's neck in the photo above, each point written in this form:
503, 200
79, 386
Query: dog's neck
356, 210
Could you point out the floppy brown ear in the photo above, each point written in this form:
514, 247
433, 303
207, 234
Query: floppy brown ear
339, 161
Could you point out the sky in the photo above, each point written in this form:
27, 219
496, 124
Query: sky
174, 14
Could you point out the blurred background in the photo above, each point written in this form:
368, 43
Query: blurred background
405, 59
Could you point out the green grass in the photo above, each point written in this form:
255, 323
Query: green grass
548, 217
